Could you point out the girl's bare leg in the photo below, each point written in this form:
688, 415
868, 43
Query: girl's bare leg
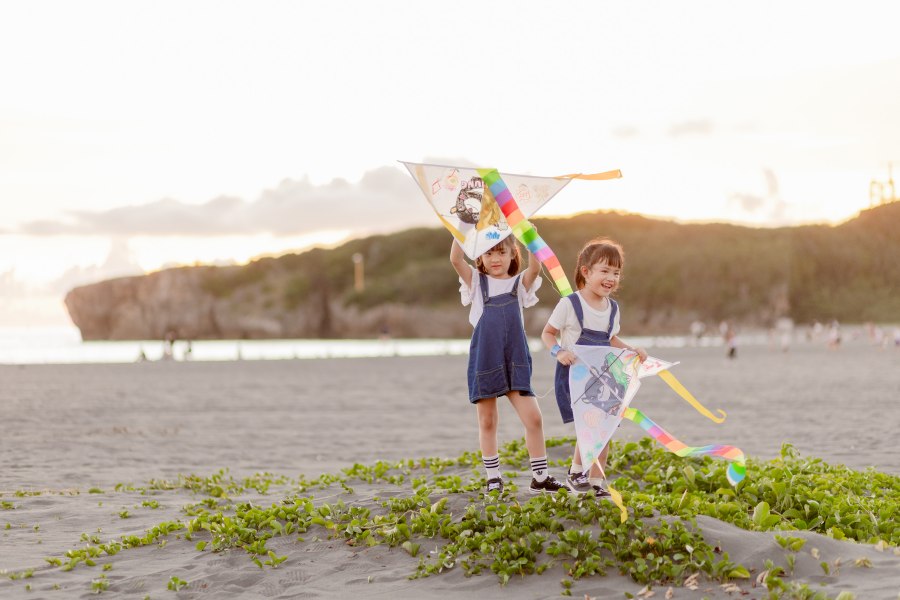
530, 414
487, 425
595, 471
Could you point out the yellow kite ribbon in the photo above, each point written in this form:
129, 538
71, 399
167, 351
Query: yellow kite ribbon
689, 398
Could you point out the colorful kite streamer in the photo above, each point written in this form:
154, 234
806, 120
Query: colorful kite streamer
736, 469
689, 398
524, 230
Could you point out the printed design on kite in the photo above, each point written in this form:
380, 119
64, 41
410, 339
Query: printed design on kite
606, 389
490, 215
469, 201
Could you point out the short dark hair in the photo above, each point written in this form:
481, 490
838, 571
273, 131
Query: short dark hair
598, 250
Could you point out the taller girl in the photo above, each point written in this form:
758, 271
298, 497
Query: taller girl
499, 359
588, 317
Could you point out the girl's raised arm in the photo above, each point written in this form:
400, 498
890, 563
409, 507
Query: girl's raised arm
533, 270
458, 260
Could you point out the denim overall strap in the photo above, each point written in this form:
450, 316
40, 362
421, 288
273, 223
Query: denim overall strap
612, 315
579, 311
515, 289
483, 280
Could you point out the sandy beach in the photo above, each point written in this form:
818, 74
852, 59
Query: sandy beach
72, 434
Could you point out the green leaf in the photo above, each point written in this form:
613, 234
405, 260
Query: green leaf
760, 513
739, 572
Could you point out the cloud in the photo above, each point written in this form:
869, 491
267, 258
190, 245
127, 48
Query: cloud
771, 182
625, 132
770, 204
383, 199
748, 202
694, 127
10, 286
119, 263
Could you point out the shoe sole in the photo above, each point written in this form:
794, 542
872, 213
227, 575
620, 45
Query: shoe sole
536, 492
575, 491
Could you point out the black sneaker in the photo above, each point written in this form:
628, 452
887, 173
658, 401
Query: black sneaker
579, 483
547, 486
495, 485
601, 493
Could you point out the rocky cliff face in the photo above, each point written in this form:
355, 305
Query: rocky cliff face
178, 302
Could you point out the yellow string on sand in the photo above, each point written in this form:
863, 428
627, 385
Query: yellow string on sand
614, 174
616, 497
614, 494
686, 395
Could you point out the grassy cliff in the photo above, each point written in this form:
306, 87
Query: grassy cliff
674, 272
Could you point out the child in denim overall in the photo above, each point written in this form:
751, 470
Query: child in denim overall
499, 359
591, 318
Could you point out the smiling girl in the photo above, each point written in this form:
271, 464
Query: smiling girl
588, 317
499, 359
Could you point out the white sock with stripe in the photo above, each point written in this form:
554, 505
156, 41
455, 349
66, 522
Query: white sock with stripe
492, 466
539, 468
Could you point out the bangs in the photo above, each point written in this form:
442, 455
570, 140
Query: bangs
612, 255
509, 242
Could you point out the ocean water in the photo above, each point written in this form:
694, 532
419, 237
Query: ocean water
63, 345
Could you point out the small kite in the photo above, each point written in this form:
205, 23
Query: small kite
603, 383
481, 207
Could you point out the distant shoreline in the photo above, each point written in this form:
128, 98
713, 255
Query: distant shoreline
20, 346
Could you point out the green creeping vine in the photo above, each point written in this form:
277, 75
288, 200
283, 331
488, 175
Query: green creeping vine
439, 504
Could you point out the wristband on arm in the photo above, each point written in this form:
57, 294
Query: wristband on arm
555, 350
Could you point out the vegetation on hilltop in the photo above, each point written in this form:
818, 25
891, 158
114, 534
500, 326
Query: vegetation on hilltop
675, 273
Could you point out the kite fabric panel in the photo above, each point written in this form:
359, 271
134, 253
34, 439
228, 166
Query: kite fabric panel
467, 207
602, 384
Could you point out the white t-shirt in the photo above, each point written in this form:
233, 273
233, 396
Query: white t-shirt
565, 320
472, 295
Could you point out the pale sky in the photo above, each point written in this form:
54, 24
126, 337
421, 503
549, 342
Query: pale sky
135, 135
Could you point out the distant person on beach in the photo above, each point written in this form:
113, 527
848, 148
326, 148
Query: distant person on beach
499, 358
785, 328
834, 335
588, 317
698, 328
731, 341
169, 346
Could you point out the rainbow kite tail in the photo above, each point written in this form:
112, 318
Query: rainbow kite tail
736, 471
524, 230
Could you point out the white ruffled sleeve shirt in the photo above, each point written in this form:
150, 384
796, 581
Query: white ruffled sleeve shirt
472, 295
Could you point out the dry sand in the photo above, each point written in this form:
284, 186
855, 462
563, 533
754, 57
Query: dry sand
68, 429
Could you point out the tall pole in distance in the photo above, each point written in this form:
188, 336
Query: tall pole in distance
883, 193
359, 279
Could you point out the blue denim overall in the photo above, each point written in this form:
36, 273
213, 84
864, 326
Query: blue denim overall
588, 337
499, 360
